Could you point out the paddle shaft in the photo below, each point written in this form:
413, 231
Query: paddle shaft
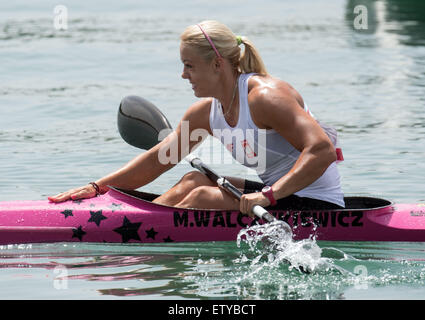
224, 183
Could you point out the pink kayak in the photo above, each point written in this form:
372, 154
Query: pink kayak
129, 216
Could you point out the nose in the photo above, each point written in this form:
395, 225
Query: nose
184, 74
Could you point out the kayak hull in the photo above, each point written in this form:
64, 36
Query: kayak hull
130, 217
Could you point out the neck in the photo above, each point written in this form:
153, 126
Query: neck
226, 91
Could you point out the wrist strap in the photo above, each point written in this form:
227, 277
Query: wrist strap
269, 194
96, 187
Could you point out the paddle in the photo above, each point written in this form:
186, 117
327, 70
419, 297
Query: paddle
139, 124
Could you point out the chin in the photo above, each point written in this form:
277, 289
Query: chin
198, 94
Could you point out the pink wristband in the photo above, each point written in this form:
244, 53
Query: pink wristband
268, 193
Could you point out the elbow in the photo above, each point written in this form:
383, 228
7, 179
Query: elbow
329, 154
325, 152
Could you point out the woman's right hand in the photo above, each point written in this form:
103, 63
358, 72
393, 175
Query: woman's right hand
87, 191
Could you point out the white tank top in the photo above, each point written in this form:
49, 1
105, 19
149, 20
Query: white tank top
267, 151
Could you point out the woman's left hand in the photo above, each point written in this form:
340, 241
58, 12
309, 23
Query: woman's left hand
249, 200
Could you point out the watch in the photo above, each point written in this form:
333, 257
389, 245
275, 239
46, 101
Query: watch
267, 191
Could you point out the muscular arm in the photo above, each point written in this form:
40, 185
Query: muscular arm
140, 171
148, 166
278, 108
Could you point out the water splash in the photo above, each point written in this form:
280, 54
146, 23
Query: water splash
273, 245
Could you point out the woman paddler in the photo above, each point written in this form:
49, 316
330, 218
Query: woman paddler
270, 127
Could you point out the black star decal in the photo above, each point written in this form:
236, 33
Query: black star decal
78, 233
78, 201
115, 206
151, 233
168, 239
96, 217
128, 230
67, 213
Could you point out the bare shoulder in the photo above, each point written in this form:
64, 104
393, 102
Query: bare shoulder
198, 114
269, 97
274, 104
268, 87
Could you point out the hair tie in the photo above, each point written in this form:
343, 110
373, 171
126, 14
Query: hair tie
239, 40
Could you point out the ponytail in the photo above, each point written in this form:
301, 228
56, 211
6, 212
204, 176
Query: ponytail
250, 60
221, 38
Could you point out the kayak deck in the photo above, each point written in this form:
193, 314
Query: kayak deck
121, 216
355, 202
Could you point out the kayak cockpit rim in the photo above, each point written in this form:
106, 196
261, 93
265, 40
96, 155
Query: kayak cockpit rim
352, 203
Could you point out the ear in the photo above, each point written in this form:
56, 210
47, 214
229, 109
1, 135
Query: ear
218, 64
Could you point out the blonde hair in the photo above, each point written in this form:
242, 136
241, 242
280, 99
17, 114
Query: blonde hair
227, 45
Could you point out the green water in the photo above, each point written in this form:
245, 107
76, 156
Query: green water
208, 271
59, 95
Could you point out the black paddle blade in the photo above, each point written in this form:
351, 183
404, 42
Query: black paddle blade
140, 122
